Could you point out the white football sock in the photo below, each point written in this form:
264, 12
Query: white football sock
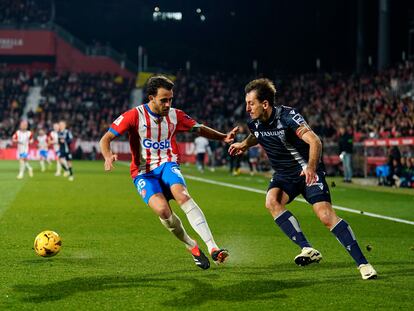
42, 165
27, 165
58, 167
199, 223
21, 168
174, 225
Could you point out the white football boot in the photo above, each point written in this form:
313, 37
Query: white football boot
307, 256
367, 271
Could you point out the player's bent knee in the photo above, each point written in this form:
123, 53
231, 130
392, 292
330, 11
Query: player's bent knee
182, 199
160, 206
274, 207
180, 194
326, 214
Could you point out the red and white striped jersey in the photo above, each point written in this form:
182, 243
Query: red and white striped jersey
53, 136
151, 137
23, 139
42, 142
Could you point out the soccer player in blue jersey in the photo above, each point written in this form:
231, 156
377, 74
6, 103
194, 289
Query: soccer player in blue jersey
294, 151
65, 138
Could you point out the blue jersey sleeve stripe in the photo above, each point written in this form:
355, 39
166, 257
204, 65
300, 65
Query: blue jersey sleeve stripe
113, 131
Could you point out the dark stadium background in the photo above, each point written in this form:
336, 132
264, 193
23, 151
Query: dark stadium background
337, 62
284, 36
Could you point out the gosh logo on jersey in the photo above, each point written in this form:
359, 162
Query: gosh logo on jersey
148, 143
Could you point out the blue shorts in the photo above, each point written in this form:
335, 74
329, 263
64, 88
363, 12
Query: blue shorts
317, 192
23, 155
159, 180
43, 153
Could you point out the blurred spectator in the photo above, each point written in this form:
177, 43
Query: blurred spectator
396, 172
24, 11
346, 146
14, 87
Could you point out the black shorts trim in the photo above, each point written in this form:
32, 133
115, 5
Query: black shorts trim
67, 156
317, 192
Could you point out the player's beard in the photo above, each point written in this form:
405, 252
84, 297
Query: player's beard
165, 112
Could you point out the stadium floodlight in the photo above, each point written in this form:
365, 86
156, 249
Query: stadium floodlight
164, 16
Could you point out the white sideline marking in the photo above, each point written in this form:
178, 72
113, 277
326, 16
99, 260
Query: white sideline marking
341, 208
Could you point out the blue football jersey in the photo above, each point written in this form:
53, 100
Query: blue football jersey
287, 153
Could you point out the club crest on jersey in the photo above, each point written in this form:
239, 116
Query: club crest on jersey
158, 120
256, 134
148, 143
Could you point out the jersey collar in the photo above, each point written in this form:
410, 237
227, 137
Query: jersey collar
273, 116
150, 112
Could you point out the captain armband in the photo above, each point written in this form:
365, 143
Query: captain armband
302, 129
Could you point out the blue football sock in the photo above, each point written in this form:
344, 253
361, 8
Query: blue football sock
346, 237
290, 226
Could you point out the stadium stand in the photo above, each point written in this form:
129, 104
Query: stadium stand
24, 11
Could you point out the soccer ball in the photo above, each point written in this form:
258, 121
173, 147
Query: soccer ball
47, 243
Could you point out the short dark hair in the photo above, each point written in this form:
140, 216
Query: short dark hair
265, 90
156, 82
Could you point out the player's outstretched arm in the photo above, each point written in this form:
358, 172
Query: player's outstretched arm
105, 144
239, 148
210, 133
315, 151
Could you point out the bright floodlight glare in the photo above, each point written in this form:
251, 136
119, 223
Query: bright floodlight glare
203, 18
198, 10
156, 9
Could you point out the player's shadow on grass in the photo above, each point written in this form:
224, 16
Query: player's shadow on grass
199, 287
60, 290
202, 292
187, 288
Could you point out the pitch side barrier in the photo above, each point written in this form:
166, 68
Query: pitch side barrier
376, 151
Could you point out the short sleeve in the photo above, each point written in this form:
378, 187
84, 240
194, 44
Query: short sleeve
184, 122
295, 120
124, 122
70, 136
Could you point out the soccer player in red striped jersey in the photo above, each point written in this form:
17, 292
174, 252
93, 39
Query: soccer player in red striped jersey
154, 166
23, 137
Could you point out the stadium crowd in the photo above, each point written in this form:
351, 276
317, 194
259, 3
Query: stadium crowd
399, 170
370, 103
14, 87
24, 11
88, 102
374, 104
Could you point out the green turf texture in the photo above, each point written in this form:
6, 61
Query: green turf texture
117, 256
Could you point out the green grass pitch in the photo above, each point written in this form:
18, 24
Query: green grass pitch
117, 256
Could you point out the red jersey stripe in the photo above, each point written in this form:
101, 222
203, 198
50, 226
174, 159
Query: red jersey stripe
169, 137
148, 121
159, 140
